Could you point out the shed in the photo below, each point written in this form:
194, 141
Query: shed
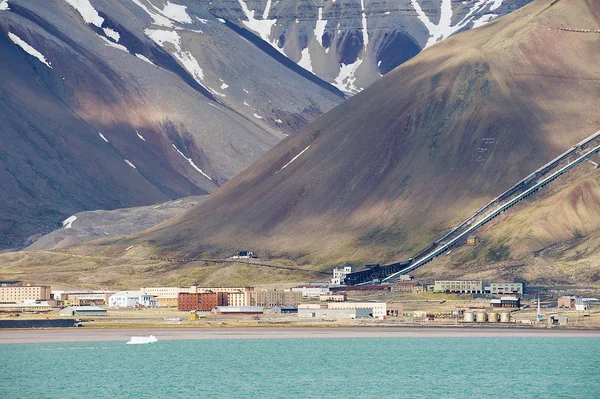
83, 311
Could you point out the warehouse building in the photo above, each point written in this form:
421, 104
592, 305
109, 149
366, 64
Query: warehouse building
83, 311
459, 286
354, 313
205, 301
378, 309
237, 310
505, 288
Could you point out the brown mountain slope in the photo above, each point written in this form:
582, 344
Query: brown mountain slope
382, 174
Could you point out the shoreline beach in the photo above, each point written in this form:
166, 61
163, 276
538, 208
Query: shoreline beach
64, 335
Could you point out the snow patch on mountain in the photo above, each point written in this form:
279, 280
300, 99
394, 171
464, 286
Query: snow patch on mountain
28, 49
102, 137
4, 5
257, 116
305, 61
177, 13
112, 34
140, 136
185, 57
444, 28
191, 162
293, 159
112, 44
261, 27
346, 80
129, 163
484, 20
68, 222
364, 24
320, 27
144, 58
87, 12
157, 18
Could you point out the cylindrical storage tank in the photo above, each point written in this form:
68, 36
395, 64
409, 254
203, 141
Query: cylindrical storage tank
504, 317
468, 317
481, 317
492, 317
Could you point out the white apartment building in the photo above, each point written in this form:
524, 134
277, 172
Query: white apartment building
125, 299
311, 292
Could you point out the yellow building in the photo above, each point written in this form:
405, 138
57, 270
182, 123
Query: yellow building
22, 293
166, 302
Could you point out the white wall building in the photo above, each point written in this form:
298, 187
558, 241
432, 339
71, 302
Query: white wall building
379, 308
311, 292
339, 275
125, 299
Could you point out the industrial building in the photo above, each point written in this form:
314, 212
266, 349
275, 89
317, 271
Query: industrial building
311, 291
566, 302
394, 309
378, 309
205, 301
339, 275
284, 309
83, 311
332, 297
505, 288
408, 286
270, 298
354, 313
18, 293
506, 302
237, 310
459, 286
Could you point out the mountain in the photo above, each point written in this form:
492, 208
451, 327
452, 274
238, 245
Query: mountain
352, 43
112, 104
382, 175
93, 225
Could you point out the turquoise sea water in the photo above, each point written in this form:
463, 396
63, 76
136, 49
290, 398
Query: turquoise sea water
306, 368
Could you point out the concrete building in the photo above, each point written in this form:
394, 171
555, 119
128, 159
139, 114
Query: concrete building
583, 304
566, 302
166, 302
408, 286
379, 309
506, 302
505, 288
237, 310
83, 311
125, 299
284, 309
354, 313
309, 291
17, 293
205, 301
270, 298
165, 292
558, 320
333, 298
459, 286
394, 309
339, 274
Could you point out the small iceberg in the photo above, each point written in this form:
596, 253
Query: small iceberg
142, 340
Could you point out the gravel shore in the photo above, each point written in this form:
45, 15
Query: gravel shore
123, 334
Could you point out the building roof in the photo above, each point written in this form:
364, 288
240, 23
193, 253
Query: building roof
238, 309
129, 294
